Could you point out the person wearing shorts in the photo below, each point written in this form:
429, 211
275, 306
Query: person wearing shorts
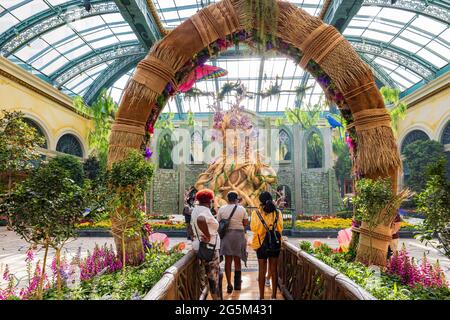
268, 212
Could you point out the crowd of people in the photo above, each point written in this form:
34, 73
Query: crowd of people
221, 235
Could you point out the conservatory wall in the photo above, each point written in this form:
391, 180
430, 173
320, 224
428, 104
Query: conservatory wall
45, 106
428, 111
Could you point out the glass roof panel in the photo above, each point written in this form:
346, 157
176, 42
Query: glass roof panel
416, 46
174, 12
408, 46
63, 45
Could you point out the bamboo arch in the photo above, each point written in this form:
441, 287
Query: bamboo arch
376, 153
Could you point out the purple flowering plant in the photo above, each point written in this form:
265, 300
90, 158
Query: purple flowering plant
412, 274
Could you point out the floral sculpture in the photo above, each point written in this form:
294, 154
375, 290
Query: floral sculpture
239, 167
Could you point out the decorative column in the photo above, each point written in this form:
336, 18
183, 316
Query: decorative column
181, 186
298, 165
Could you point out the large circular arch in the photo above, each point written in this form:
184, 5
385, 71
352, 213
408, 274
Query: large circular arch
324, 52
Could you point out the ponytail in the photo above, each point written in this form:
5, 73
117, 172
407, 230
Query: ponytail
267, 203
269, 206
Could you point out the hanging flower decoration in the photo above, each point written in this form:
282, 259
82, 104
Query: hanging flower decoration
349, 142
150, 129
148, 153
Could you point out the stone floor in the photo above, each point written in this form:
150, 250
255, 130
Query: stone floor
13, 252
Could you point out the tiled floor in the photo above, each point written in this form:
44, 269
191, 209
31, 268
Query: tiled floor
13, 253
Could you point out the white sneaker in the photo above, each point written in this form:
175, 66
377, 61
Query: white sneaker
267, 282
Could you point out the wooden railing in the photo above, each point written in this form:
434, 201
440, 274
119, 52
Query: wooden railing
301, 277
304, 277
184, 280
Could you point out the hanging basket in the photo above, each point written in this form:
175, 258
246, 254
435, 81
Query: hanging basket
373, 245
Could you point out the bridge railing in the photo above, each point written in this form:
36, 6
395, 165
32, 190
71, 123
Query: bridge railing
304, 277
184, 280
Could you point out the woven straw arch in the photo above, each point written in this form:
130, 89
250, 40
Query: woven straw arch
377, 153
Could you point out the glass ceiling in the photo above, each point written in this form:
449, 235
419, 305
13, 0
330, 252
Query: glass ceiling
64, 44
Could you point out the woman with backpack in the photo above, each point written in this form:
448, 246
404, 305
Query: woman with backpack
234, 243
267, 226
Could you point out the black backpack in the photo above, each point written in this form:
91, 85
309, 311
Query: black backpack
272, 240
224, 223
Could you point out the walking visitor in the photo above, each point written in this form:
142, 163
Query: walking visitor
189, 198
267, 226
206, 240
234, 244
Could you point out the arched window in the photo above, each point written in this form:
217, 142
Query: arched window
70, 144
165, 152
314, 151
445, 138
196, 147
414, 136
284, 192
38, 129
284, 151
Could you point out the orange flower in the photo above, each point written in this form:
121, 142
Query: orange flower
316, 244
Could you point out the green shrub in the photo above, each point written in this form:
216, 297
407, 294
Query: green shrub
72, 165
345, 214
434, 203
418, 156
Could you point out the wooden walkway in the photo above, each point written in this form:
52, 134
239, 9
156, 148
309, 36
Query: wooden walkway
249, 289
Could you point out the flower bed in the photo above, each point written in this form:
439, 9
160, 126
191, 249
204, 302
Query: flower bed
98, 276
159, 217
168, 225
403, 279
106, 224
313, 223
330, 223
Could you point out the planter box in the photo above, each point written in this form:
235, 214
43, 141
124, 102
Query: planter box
331, 233
297, 233
107, 233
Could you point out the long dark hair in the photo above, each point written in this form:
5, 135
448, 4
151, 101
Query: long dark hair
267, 202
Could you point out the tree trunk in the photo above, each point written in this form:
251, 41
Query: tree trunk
41, 281
132, 246
9, 182
58, 274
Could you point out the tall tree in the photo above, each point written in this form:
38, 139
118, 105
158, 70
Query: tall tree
44, 209
103, 111
19, 143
